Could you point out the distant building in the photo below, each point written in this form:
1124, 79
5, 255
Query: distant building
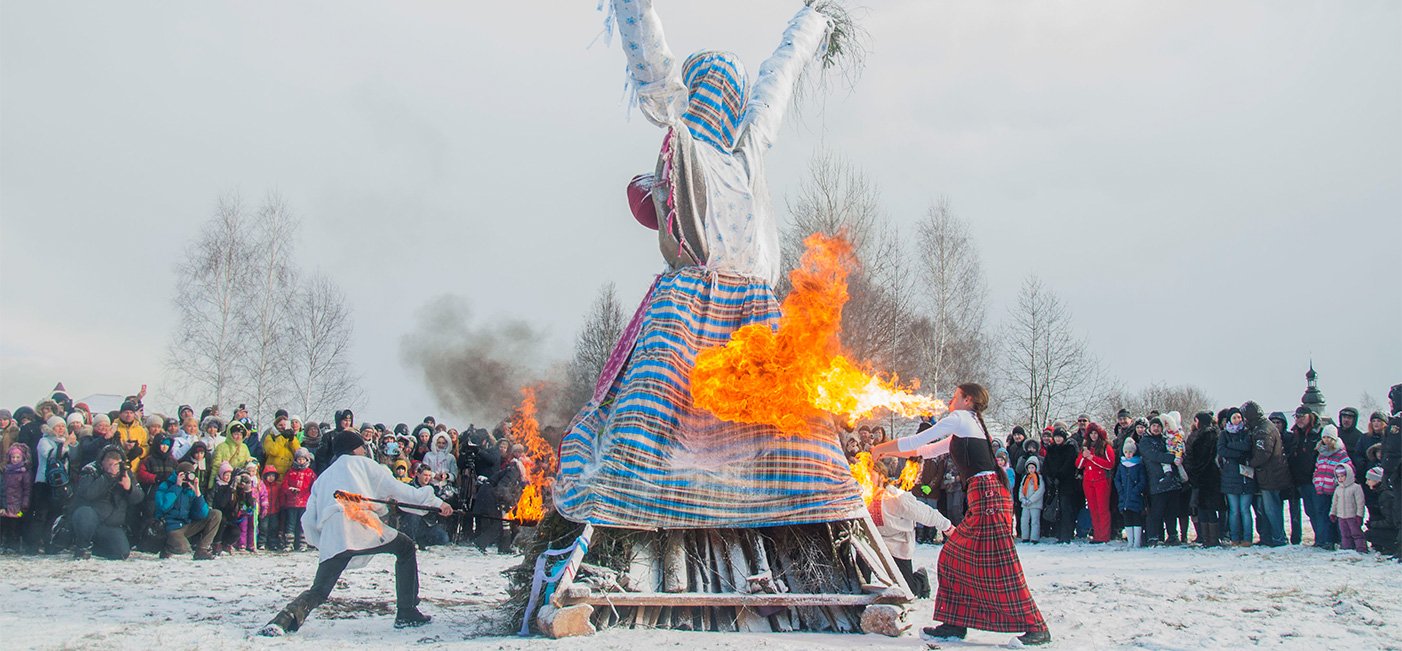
1313, 398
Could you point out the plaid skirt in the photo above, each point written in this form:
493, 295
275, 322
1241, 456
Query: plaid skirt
980, 577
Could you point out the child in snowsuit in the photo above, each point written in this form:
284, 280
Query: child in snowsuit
269, 526
1131, 483
296, 488
1347, 510
1030, 494
16, 481
245, 507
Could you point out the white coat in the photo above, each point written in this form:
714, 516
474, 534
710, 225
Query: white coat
325, 522
900, 512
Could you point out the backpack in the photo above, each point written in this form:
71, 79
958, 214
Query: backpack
56, 474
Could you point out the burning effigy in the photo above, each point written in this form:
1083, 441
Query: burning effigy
703, 487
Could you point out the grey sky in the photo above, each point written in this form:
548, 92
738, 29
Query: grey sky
1214, 187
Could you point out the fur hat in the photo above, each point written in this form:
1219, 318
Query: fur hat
212, 421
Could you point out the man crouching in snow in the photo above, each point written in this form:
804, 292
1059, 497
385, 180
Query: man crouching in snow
344, 541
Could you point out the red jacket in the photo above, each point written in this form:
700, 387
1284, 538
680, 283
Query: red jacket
1096, 468
297, 487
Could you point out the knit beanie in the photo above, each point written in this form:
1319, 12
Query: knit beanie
1374, 474
346, 442
185, 466
1131, 448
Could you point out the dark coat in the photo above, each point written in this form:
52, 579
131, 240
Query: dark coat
1132, 484
1267, 451
104, 495
1061, 462
1234, 451
1158, 463
1301, 454
1200, 460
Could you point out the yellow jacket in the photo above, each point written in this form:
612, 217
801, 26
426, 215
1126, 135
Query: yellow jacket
278, 451
133, 432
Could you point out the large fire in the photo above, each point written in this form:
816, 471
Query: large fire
541, 461
789, 376
910, 474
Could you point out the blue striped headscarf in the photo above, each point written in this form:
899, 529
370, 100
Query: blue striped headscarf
716, 84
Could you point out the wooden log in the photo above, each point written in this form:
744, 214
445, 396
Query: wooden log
642, 575
674, 574
693, 599
868, 528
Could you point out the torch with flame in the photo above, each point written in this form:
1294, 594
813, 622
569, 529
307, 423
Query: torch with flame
789, 376
541, 464
357, 508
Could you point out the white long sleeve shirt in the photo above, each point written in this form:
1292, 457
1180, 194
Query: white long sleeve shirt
325, 522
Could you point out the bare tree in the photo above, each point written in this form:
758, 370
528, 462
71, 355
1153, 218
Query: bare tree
1367, 404
600, 332
320, 375
212, 281
1047, 370
1186, 399
878, 320
954, 295
266, 305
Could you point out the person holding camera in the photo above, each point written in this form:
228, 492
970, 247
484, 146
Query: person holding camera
185, 514
106, 489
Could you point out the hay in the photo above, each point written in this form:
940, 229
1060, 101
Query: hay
844, 53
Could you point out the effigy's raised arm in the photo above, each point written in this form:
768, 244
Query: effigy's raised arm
779, 74
652, 70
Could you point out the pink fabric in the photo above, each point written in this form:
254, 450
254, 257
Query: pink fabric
640, 200
624, 347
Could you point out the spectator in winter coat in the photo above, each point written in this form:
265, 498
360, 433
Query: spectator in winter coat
1372, 438
232, 451
1132, 487
1300, 443
221, 496
280, 444
181, 442
1346, 509
269, 517
157, 466
106, 490
1030, 492
1271, 472
9, 430
1234, 449
311, 442
181, 507
1329, 454
1205, 477
425, 528
52, 482
198, 455
1061, 475
212, 433
441, 459
1165, 485
296, 488
1351, 437
1095, 463
16, 485
90, 447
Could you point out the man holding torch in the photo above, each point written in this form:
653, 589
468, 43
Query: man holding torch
342, 521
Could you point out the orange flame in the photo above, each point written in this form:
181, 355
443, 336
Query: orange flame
910, 474
541, 462
358, 510
870, 476
785, 378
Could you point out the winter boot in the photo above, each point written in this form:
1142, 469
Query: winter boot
81, 553
945, 632
411, 618
1035, 638
1208, 534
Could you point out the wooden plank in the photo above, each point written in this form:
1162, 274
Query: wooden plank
693, 599
572, 566
889, 562
674, 574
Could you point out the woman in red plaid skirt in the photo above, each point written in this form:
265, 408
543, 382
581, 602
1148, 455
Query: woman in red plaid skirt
980, 577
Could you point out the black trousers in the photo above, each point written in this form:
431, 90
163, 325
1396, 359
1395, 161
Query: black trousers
406, 581
1071, 504
1163, 513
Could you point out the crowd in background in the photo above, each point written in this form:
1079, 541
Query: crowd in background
1237, 477
209, 484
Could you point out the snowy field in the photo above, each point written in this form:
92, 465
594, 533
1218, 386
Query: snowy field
1100, 597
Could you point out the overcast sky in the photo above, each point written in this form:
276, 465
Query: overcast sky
1215, 187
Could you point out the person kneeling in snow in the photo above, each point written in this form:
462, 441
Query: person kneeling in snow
346, 539
895, 519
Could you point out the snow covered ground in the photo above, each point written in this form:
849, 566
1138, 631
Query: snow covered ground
1097, 597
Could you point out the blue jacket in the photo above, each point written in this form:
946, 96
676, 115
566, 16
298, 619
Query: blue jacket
1234, 452
1131, 483
179, 505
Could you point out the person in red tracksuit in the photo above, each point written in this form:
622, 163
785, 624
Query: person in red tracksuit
1095, 463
